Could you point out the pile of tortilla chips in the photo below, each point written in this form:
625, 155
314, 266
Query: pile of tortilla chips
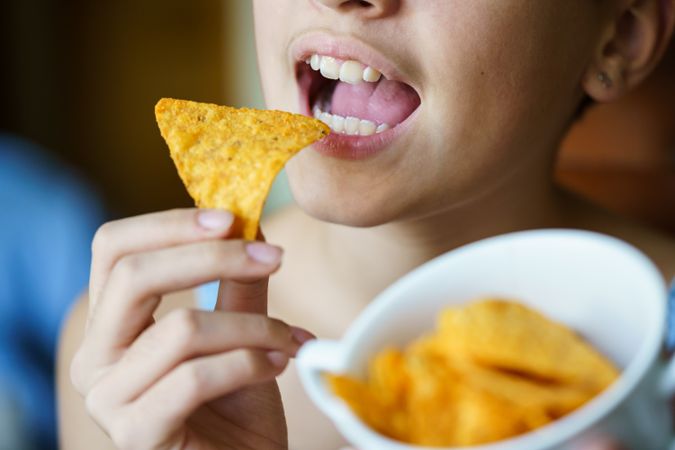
228, 157
493, 369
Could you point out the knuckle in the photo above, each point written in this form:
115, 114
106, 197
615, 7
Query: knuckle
127, 275
94, 403
229, 252
101, 238
181, 214
192, 377
220, 251
91, 405
76, 372
174, 217
121, 433
270, 330
128, 266
184, 324
250, 362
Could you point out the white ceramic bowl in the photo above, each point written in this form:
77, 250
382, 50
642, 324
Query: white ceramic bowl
598, 285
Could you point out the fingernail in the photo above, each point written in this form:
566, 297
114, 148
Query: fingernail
215, 219
264, 253
301, 335
279, 359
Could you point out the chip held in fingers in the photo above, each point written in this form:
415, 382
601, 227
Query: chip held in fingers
229, 157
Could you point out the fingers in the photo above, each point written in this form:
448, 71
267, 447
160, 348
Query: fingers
136, 282
203, 379
186, 359
151, 231
152, 419
187, 333
601, 443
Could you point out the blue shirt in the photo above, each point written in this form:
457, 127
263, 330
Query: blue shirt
47, 220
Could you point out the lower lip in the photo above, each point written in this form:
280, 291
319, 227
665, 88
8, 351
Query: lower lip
342, 146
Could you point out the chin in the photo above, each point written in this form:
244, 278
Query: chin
352, 215
350, 207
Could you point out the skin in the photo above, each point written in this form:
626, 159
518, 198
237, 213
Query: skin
461, 164
493, 112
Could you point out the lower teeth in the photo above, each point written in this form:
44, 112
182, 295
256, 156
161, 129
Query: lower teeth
352, 126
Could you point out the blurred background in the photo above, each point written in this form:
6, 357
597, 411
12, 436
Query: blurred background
79, 145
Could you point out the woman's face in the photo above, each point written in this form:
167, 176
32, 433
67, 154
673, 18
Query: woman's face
475, 92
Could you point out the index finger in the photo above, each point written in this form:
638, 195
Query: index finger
151, 231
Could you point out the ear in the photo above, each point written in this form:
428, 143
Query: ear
635, 39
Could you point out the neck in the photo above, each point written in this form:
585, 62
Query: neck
369, 259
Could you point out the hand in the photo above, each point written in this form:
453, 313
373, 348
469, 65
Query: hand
602, 444
194, 379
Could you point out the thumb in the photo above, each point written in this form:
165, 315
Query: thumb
243, 296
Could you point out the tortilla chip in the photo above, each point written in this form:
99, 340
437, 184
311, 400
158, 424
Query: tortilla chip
228, 157
510, 336
482, 418
480, 377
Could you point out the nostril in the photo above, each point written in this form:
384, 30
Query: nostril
373, 8
356, 4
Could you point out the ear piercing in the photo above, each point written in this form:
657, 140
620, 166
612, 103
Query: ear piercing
605, 79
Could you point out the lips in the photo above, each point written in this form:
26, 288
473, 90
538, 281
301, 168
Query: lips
356, 91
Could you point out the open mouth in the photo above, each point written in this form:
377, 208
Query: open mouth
353, 98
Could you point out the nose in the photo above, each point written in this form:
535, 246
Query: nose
368, 9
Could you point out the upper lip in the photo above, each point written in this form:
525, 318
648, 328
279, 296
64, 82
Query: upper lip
345, 48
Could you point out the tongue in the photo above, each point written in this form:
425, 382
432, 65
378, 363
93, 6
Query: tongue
387, 101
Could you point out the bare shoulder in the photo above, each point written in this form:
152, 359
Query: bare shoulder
658, 245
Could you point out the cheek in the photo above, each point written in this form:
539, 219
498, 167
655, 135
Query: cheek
273, 28
505, 76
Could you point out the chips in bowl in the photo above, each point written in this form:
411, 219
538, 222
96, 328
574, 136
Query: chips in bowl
492, 369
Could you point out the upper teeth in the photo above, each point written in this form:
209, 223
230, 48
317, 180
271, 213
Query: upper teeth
352, 72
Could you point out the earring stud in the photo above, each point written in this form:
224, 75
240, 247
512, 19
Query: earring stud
605, 79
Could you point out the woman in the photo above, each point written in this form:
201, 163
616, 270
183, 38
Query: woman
459, 108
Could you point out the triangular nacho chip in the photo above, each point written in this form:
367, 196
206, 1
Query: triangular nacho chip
511, 336
228, 157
